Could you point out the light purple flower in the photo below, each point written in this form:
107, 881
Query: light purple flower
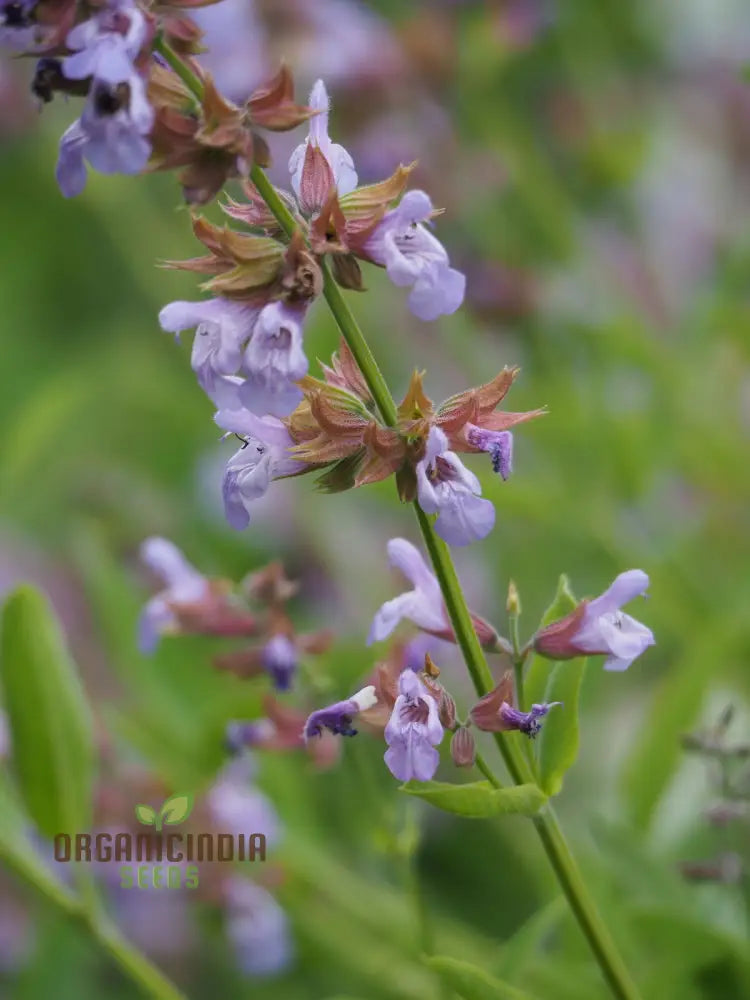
497, 444
274, 361
599, 627
339, 160
258, 929
423, 606
411, 255
337, 718
18, 29
446, 487
106, 45
263, 457
222, 329
607, 630
111, 134
413, 731
184, 585
280, 661
237, 806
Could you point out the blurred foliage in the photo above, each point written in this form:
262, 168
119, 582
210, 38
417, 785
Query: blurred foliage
593, 178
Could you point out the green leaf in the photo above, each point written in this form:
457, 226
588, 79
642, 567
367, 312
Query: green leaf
49, 717
524, 948
471, 982
18, 854
545, 681
478, 799
538, 668
559, 738
145, 814
177, 809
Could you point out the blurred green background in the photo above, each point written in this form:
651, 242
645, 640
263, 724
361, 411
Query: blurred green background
592, 158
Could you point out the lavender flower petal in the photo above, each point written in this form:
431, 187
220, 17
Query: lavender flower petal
411, 255
423, 605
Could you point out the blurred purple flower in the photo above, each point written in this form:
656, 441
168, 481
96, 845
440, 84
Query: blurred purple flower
413, 731
411, 255
184, 585
258, 929
107, 44
263, 457
423, 605
342, 35
237, 49
274, 361
598, 627
280, 661
237, 806
446, 487
339, 160
337, 718
111, 134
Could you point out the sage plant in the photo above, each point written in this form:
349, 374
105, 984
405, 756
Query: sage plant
145, 104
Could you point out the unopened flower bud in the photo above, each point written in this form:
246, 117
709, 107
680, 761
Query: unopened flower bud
347, 271
446, 704
513, 603
463, 747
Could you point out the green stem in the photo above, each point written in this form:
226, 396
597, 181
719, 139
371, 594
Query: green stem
135, 965
486, 770
191, 80
517, 664
546, 824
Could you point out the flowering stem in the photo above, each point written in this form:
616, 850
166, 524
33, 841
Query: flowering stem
612, 966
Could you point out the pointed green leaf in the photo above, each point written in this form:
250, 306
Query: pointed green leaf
145, 814
471, 982
478, 799
49, 718
17, 852
177, 809
559, 738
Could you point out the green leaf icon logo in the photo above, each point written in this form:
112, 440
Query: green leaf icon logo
145, 814
176, 809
